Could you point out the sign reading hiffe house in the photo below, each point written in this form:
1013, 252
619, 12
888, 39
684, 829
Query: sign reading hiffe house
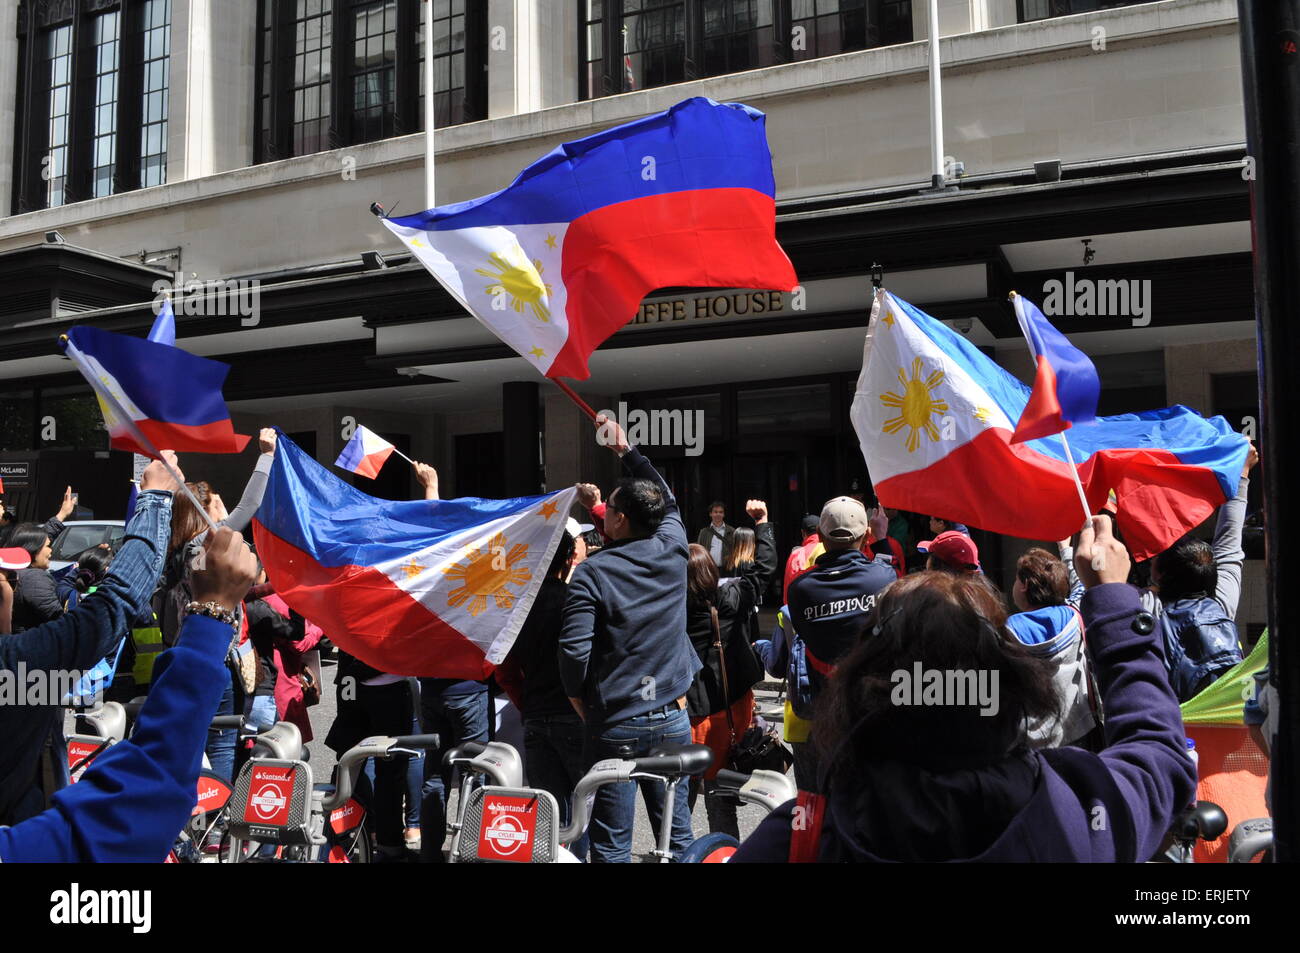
732, 305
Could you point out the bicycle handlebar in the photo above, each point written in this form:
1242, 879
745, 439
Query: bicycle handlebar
222, 722
418, 742
379, 746
464, 752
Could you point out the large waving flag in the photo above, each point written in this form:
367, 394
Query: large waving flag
1066, 386
935, 419
433, 588
154, 396
365, 453
559, 260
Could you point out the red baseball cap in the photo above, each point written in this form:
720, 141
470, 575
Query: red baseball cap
15, 558
954, 548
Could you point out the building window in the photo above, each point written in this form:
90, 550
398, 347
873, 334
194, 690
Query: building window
639, 44
1030, 10
92, 77
313, 30
333, 73
59, 44
105, 107
154, 106
374, 70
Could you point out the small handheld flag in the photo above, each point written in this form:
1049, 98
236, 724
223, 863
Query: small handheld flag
365, 453
164, 326
1066, 386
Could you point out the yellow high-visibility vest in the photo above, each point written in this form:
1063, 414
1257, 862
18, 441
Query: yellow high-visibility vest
148, 643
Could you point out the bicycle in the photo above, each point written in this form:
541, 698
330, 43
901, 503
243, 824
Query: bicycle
506, 822
279, 815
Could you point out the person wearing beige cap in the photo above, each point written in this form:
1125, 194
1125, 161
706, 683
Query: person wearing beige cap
830, 603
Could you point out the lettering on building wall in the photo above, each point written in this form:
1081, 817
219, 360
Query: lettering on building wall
715, 306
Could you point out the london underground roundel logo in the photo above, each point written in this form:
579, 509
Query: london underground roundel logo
268, 796
268, 800
509, 824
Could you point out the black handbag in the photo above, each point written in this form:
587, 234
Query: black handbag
760, 749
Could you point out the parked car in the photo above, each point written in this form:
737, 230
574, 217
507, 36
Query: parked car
81, 535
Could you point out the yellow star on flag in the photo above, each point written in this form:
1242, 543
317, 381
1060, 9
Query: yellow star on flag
412, 569
537, 352
889, 318
418, 243
548, 509
550, 241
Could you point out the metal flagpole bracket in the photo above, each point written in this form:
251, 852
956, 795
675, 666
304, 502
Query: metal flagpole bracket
877, 275
376, 210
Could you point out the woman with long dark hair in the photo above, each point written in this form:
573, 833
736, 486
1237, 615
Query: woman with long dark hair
189, 530
92, 567
721, 699
923, 744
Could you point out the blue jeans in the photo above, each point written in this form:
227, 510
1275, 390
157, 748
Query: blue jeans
454, 718
553, 747
615, 808
220, 748
262, 714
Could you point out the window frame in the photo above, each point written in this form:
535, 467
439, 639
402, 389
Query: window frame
343, 128
31, 124
612, 73
1107, 5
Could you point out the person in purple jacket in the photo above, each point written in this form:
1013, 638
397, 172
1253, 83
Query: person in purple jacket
923, 730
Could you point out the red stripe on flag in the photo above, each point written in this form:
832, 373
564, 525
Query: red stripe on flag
994, 485
365, 614
704, 238
216, 437
1042, 415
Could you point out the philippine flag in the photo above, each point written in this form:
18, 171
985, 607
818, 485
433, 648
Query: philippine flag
432, 588
365, 453
1066, 386
559, 260
154, 396
934, 418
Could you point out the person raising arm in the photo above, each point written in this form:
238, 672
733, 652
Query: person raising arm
135, 797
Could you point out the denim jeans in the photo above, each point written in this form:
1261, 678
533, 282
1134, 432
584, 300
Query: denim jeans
454, 718
553, 747
615, 808
262, 713
220, 748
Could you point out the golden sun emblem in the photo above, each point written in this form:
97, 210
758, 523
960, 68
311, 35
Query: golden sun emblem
916, 406
519, 278
487, 572
982, 414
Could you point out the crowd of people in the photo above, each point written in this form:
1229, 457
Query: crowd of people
639, 638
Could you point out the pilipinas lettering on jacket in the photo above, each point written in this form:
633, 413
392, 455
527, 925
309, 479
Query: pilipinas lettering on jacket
835, 607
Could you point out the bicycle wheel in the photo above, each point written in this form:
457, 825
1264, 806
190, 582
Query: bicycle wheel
712, 848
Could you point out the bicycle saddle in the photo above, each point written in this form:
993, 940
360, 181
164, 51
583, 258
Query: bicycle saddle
1204, 820
693, 759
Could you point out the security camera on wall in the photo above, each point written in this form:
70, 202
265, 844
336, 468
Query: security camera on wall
963, 325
